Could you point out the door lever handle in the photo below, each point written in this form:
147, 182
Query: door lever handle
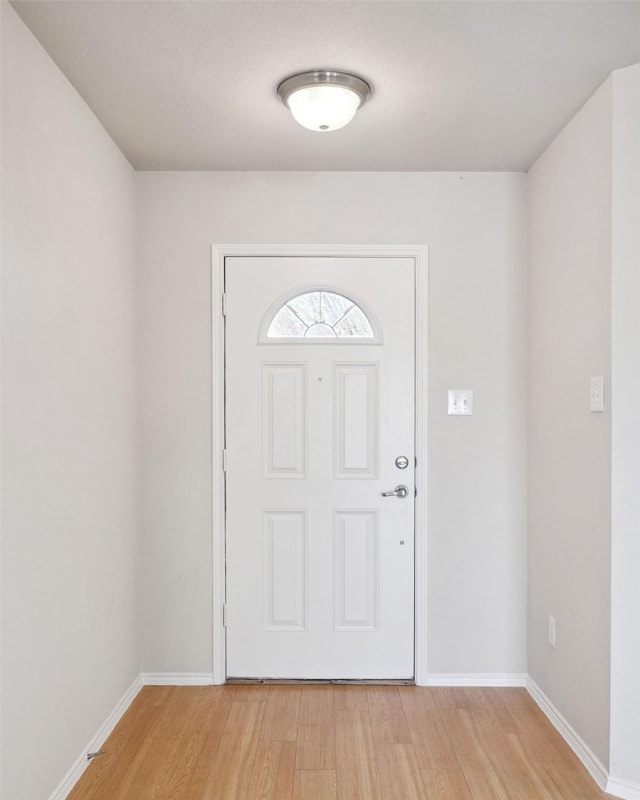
399, 491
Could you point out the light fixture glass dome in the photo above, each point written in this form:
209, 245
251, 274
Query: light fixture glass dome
323, 108
323, 100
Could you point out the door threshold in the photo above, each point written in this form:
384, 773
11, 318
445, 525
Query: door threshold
324, 681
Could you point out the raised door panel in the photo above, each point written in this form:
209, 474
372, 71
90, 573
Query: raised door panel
284, 420
284, 570
356, 421
356, 570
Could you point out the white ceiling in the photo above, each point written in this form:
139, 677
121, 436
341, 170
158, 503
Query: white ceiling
184, 85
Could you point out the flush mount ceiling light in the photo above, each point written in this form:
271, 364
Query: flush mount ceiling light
324, 99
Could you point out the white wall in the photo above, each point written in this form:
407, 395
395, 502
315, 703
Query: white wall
625, 611
569, 448
474, 227
69, 491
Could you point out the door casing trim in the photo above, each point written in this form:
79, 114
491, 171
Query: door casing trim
219, 252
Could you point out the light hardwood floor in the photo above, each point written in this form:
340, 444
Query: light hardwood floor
334, 743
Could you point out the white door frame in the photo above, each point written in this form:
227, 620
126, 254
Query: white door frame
218, 254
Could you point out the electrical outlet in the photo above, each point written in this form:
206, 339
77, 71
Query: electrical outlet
552, 631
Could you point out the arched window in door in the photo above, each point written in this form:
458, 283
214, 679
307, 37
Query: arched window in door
319, 315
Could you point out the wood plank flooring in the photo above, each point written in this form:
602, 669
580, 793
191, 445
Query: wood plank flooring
323, 742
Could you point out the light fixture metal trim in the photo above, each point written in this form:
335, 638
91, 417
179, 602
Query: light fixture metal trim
324, 77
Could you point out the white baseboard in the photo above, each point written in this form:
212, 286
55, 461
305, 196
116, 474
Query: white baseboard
508, 679
176, 678
624, 789
593, 765
81, 763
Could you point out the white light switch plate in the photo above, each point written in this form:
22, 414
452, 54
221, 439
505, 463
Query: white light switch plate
460, 401
597, 394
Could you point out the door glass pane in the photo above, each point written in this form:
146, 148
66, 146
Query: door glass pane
354, 323
333, 307
307, 307
287, 323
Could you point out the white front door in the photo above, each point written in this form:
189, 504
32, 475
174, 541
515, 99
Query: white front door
319, 423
